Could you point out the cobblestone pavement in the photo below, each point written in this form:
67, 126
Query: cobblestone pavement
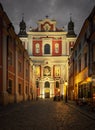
43, 115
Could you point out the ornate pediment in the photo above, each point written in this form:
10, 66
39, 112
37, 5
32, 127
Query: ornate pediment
47, 24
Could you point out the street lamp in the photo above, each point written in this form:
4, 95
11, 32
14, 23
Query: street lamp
66, 91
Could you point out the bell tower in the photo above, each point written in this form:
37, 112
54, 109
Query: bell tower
71, 32
22, 33
22, 26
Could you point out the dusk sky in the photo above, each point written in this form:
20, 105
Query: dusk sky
58, 10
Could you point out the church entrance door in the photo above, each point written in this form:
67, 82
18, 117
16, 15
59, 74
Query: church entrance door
47, 93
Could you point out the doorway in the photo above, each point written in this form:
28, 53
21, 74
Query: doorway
47, 93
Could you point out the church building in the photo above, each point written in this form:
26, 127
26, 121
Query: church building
49, 48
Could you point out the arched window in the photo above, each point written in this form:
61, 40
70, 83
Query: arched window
47, 49
56, 48
47, 84
57, 84
37, 48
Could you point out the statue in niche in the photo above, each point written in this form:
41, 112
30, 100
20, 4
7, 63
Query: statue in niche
47, 71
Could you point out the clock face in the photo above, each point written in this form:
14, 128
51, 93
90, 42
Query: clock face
47, 27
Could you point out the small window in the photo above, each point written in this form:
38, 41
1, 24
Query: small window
57, 84
37, 83
9, 86
47, 49
19, 89
19, 67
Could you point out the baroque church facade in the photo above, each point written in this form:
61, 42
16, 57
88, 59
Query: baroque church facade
49, 49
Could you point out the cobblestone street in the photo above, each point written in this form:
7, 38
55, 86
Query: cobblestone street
43, 115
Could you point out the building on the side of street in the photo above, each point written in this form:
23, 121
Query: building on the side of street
36, 65
81, 64
49, 48
15, 64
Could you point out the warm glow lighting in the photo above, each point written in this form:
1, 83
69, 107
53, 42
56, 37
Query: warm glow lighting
89, 79
66, 91
66, 83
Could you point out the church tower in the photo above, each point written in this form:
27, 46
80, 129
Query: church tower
22, 26
71, 32
71, 36
22, 33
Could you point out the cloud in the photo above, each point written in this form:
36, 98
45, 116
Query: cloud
56, 9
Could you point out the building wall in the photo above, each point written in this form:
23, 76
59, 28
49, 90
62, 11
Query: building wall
15, 81
81, 62
50, 65
0, 52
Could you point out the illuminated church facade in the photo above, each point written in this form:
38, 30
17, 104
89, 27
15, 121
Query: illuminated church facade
49, 49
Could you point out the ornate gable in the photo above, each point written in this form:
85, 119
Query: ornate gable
47, 25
